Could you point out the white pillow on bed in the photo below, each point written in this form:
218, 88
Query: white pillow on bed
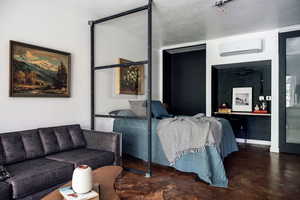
138, 107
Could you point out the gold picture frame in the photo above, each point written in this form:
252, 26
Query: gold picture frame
129, 80
38, 71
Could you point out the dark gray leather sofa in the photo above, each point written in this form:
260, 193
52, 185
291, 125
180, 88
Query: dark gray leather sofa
41, 160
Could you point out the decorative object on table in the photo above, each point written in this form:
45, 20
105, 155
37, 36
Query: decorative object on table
4, 174
105, 177
261, 108
256, 107
263, 105
82, 179
130, 80
224, 108
242, 99
38, 72
69, 194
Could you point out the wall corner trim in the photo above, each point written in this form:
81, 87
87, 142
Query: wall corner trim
274, 149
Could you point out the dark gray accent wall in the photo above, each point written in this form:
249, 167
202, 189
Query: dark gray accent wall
184, 81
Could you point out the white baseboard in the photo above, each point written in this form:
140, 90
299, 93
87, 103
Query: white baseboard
250, 141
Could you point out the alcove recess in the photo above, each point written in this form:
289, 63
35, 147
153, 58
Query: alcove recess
251, 74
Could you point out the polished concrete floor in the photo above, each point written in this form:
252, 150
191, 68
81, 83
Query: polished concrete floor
253, 173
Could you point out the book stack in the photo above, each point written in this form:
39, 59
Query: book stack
69, 194
224, 110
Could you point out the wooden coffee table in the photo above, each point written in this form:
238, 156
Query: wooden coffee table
105, 177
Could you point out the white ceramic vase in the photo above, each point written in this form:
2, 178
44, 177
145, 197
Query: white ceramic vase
82, 179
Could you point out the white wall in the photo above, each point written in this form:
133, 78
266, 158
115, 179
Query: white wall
63, 25
123, 38
112, 42
270, 52
54, 24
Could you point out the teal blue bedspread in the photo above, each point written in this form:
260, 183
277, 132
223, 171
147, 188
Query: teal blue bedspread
208, 164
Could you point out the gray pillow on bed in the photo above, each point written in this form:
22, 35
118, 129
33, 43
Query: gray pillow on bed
123, 112
127, 113
138, 107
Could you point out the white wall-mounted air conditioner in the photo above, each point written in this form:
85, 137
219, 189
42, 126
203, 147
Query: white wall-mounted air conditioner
241, 47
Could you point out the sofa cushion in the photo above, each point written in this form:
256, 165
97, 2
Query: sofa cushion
64, 139
13, 147
49, 140
33, 176
92, 158
77, 136
5, 191
32, 144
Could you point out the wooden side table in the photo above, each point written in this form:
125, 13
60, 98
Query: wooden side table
105, 177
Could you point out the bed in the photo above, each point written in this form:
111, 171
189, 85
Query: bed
207, 164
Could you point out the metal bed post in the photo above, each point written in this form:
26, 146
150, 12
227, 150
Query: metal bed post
149, 90
92, 24
92, 32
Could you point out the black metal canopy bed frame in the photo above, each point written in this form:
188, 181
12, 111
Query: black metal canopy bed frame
94, 68
156, 132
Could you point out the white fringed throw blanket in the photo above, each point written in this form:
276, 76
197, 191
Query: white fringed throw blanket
182, 135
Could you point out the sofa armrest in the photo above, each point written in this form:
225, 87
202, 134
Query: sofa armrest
106, 141
5, 191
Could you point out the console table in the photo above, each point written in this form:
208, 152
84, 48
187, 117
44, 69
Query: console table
240, 122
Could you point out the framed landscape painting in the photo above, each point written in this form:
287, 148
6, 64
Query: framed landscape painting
130, 80
38, 72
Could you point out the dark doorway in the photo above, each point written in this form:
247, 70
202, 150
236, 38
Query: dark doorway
289, 98
184, 80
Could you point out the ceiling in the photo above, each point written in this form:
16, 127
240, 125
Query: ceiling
180, 21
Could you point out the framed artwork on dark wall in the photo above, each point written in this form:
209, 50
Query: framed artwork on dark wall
39, 72
129, 80
242, 99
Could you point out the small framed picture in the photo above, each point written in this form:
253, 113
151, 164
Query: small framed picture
242, 99
129, 80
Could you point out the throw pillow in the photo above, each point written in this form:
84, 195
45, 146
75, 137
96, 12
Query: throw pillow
158, 110
138, 107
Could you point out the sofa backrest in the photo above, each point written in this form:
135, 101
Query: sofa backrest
13, 148
62, 138
30, 144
